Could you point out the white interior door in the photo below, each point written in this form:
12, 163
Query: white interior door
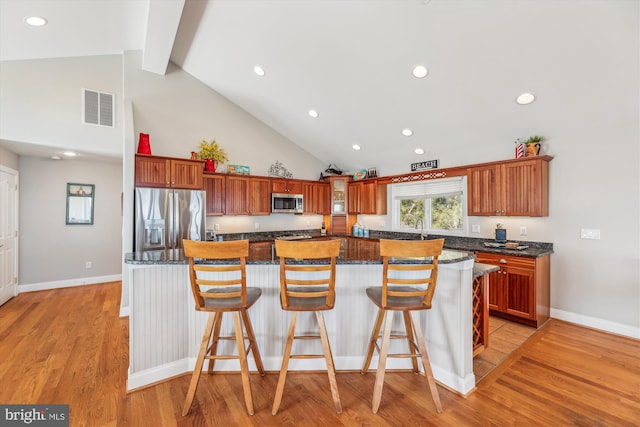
8, 234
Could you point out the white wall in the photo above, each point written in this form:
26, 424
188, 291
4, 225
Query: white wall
52, 252
41, 102
179, 111
9, 159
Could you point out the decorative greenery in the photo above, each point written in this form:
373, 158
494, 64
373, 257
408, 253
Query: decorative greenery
211, 150
535, 139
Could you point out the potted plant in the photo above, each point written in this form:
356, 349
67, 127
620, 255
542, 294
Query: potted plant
532, 145
212, 155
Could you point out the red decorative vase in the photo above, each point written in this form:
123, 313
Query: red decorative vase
143, 145
209, 165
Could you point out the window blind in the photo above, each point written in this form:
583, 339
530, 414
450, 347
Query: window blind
445, 187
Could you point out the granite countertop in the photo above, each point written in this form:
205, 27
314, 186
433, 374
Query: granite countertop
354, 250
480, 269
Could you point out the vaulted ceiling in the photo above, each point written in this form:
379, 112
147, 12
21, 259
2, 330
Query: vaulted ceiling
351, 61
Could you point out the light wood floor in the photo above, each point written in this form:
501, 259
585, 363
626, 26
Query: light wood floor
70, 346
505, 337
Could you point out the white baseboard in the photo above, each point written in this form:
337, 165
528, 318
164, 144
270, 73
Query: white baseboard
596, 323
43, 286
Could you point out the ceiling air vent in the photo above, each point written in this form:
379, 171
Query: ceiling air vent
98, 107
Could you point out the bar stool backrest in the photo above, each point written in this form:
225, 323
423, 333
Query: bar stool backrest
413, 284
217, 286
291, 253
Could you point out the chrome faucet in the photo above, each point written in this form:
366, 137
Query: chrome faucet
421, 221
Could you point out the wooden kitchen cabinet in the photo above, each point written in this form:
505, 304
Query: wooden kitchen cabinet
512, 188
367, 197
247, 195
167, 172
519, 291
283, 185
316, 197
339, 204
215, 189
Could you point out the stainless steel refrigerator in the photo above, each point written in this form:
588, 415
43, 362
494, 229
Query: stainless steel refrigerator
163, 217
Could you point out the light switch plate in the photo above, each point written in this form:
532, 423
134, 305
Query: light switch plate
523, 230
590, 233
475, 228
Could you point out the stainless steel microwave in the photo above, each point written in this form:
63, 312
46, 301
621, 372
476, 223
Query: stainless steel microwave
286, 203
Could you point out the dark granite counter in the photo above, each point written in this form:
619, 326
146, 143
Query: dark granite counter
354, 250
480, 269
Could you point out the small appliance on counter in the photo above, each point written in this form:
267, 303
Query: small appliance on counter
501, 233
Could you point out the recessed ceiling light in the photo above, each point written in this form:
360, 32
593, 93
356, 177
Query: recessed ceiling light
54, 157
259, 70
355, 147
313, 113
418, 151
420, 71
69, 153
35, 21
525, 98
407, 132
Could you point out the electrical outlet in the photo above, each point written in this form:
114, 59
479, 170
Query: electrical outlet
588, 233
87, 264
256, 225
523, 230
216, 227
475, 228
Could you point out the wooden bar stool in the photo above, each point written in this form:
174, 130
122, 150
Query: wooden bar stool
307, 287
226, 292
406, 288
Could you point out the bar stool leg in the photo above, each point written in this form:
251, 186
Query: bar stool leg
382, 363
331, 370
372, 341
214, 341
244, 368
412, 348
206, 336
253, 346
285, 364
425, 361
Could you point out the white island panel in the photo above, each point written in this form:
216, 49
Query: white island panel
166, 331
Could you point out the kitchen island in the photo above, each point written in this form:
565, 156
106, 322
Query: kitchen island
165, 329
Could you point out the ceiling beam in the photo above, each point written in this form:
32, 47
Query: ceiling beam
163, 20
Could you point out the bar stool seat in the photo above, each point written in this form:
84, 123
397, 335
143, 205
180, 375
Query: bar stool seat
225, 291
407, 288
307, 287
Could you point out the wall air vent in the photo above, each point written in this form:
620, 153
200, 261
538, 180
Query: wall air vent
98, 108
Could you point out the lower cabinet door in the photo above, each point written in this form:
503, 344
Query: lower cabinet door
519, 293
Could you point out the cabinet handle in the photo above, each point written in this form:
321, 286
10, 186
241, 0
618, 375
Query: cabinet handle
503, 261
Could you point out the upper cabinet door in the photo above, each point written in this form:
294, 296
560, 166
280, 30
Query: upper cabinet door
484, 192
152, 172
526, 188
186, 174
237, 195
214, 186
260, 197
